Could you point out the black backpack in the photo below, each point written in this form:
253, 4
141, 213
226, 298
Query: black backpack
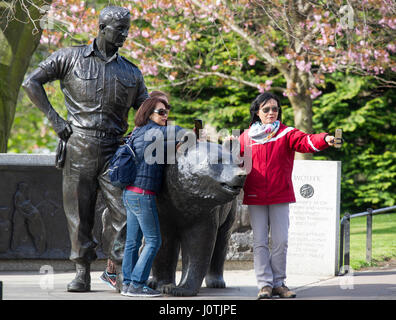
123, 165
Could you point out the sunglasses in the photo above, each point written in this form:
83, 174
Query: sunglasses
162, 112
267, 109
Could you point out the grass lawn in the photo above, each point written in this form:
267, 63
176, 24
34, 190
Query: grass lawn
383, 240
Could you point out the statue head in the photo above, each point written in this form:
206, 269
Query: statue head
114, 24
204, 175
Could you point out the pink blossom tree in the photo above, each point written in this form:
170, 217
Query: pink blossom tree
299, 41
302, 40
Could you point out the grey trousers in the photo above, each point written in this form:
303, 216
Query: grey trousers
270, 263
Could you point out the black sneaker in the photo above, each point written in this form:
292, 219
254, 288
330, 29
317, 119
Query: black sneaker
109, 279
142, 292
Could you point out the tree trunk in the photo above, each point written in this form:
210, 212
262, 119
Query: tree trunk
22, 41
302, 105
302, 108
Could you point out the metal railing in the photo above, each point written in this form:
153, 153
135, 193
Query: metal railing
345, 235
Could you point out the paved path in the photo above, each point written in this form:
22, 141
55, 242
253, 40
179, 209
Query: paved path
379, 284
241, 285
365, 285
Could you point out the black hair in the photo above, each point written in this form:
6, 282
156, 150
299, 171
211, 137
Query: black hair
260, 99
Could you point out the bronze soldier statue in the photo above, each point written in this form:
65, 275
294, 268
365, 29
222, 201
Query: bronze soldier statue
100, 87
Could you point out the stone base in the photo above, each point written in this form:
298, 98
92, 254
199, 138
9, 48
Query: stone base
35, 265
21, 265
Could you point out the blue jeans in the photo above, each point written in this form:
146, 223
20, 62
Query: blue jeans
142, 220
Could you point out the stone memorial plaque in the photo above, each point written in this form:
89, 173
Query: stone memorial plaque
314, 218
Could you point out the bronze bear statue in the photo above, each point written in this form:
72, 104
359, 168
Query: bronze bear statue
196, 207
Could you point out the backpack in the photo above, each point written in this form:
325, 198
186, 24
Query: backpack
123, 165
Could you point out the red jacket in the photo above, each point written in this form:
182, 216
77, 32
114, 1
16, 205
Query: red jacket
269, 181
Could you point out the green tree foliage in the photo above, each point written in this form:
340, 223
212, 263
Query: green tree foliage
31, 131
222, 102
19, 36
366, 114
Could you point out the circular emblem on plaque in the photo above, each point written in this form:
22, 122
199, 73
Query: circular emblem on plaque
307, 191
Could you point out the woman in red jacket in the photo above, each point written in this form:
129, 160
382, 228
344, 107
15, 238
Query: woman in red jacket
268, 189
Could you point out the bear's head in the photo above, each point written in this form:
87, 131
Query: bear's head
204, 175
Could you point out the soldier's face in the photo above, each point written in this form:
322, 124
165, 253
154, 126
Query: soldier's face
116, 31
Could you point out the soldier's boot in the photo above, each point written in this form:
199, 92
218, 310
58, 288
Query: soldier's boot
82, 281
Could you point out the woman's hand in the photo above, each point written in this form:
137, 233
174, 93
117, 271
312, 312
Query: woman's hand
330, 140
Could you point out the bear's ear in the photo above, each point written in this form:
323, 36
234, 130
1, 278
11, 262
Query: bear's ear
187, 141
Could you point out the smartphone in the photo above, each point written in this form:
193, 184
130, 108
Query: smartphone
198, 126
338, 138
